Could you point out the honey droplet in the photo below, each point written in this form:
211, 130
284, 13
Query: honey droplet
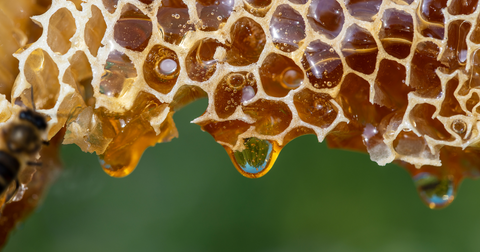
434, 191
256, 159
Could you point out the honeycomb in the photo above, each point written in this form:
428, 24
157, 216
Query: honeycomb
399, 79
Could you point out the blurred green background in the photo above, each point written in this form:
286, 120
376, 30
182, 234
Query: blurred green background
187, 196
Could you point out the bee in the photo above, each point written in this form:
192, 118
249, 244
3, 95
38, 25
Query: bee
22, 141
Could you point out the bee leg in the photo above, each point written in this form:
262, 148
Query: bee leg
30, 163
11, 195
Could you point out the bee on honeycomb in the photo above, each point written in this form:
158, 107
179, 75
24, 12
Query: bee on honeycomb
395, 78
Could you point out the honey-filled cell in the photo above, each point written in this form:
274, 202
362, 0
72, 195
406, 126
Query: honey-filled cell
360, 49
133, 29
390, 88
450, 105
247, 42
421, 119
354, 100
462, 7
423, 76
61, 28
397, 33
199, 63
430, 18
79, 76
161, 69
287, 28
42, 73
323, 65
409, 144
213, 14
363, 9
233, 90
226, 131
110, 5
119, 74
455, 55
271, 117
257, 7
95, 30
326, 17
279, 75
174, 21
315, 108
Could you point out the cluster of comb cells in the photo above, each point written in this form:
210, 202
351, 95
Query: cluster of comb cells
399, 79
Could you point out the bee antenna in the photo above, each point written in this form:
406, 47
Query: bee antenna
33, 100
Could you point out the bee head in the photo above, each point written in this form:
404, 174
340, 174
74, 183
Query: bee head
34, 118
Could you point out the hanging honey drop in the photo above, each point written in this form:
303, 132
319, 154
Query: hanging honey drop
256, 159
436, 192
